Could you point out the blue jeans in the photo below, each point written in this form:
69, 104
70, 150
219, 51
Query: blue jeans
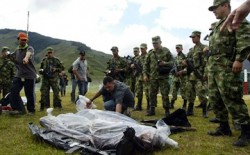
82, 86
110, 105
29, 90
73, 90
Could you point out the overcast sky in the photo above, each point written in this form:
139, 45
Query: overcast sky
101, 24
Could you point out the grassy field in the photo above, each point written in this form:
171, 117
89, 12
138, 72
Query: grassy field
16, 138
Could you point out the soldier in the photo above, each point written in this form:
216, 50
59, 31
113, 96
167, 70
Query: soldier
7, 72
116, 66
156, 69
51, 67
196, 65
25, 77
133, 69
179, 79
228, 49
136, 66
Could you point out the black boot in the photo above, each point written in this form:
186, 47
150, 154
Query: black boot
214, 120
184, 106
167, 112
148, 105
244, 137
172, 104
222, 130
138, 106
204, 109
151, 111
190, 110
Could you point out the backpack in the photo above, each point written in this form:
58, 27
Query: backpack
70, 70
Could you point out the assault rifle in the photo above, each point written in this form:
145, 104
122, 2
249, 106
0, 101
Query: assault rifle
138, 66
190, 68
111, 72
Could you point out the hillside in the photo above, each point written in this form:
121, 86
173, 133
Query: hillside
66, 51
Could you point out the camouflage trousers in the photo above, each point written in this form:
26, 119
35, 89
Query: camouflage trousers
225, 95
159, 84
139, 88
45, 92
194, 88
176, 86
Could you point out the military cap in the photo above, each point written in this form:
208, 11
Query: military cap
82, 53
5, 48
195, 33
156, 39
143, 45
114, 48
178, 46
49, 49
217, 3
136, 49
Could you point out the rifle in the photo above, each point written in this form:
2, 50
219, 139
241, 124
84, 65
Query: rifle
138, 66
190, 68
111, 72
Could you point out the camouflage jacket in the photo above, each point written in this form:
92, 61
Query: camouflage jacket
226, 47
51, 67
178, 62
117, 63
150, 67
199, 60
7, 71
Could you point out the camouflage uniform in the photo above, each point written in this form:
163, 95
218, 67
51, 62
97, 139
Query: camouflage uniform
117, 67
179, 80
7, 72
137, 74
51, 67
157, 81
225, 86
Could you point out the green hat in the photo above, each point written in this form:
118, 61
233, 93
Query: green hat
143, 45
49, 49
5, 48
178, 46
156, 39
195, 33
114, 48
217, 3
136, 49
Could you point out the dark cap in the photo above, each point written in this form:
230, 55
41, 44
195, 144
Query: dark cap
217, 3
82, 53
114, 48
195, 33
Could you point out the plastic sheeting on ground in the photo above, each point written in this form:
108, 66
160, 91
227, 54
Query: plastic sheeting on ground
104, 129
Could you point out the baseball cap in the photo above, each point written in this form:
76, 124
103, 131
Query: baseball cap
22, 35
114, 48
195, 33
156, 39
217, 3
82, 53
143, 45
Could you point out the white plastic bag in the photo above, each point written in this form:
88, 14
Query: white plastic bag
81, 103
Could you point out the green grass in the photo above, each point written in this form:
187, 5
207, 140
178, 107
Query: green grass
16, 138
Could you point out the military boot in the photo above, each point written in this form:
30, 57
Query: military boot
222, 130
199, 106
138, 106
172, 104
167, 112
148, 105
204, 109
151, 111
184, 106
190, 110
244, 138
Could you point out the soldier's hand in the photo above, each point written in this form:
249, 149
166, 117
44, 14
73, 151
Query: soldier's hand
145, 78
179, 73
237, 66
161, 63
132, 66
184, 62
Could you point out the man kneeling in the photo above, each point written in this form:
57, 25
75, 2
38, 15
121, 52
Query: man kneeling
116, 96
